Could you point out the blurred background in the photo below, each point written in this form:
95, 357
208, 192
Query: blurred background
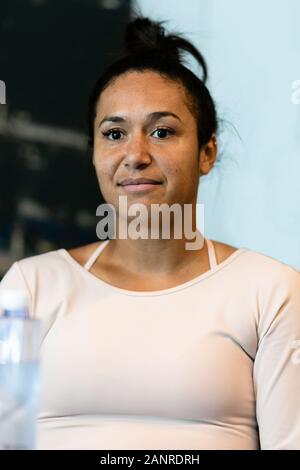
52, 51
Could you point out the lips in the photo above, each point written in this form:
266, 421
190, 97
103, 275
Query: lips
139, 185
138, 181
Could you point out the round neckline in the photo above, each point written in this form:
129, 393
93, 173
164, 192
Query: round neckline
169, 290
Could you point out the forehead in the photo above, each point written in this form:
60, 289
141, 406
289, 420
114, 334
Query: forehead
143, 91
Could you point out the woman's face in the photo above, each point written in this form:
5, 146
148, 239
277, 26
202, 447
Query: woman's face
144, 129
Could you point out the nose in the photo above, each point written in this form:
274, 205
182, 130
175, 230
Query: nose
137, 152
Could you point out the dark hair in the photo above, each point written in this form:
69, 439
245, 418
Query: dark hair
147, 47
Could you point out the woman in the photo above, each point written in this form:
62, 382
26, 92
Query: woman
149, 345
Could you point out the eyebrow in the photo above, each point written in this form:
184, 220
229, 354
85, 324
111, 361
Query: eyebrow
152, 117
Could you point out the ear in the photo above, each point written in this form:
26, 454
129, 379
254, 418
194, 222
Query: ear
207, 155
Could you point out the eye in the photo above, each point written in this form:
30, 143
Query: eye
163, 132
113, 134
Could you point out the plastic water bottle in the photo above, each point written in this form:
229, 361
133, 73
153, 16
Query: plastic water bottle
19, 372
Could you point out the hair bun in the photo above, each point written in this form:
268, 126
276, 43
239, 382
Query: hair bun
144, 35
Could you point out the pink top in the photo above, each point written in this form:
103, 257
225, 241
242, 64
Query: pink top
212, 363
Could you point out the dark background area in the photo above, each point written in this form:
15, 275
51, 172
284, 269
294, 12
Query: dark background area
51, 53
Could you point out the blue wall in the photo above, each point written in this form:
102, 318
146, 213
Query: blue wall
252, 48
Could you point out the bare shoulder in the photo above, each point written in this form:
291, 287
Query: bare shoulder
82, 253
223, 251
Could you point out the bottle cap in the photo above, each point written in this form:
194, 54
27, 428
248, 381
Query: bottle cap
13, 299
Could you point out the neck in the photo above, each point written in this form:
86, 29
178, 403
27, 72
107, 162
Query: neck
157, 256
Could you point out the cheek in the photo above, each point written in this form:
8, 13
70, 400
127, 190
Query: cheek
105, 167
183, 162
183, 171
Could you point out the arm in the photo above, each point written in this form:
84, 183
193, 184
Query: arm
277, 365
